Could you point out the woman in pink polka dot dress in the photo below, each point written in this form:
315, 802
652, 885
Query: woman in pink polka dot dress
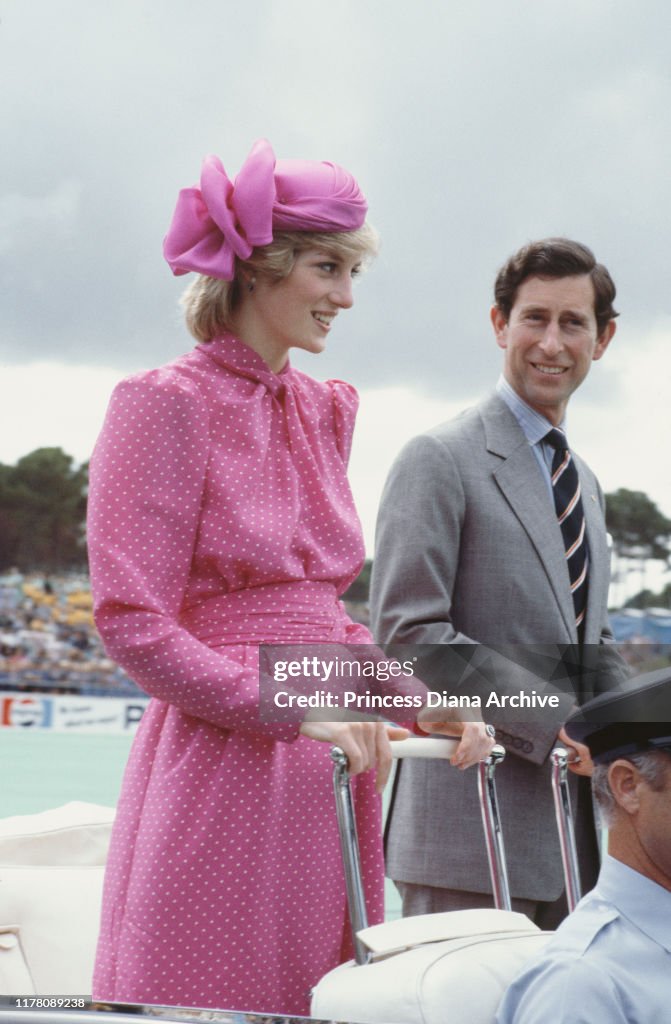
220, 517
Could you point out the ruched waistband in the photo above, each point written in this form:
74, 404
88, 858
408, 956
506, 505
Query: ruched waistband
304, 611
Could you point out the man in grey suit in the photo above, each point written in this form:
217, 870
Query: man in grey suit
470, 550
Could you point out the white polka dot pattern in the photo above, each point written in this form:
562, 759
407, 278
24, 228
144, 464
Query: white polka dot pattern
220, 516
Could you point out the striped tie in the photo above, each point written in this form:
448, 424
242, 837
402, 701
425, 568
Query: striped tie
571, 518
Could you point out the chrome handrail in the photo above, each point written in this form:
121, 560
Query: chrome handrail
491, 824
356, 900
413, 747
565, 825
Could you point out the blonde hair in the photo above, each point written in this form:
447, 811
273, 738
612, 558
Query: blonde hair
210, 303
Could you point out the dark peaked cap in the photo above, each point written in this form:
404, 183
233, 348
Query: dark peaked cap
630, 720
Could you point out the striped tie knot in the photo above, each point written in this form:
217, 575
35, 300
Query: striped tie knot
571, 519
557, 438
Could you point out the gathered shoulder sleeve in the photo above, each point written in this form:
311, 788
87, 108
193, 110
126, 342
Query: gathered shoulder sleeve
345, 407
147, 481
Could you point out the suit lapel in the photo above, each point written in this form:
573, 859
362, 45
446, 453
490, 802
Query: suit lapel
519, 479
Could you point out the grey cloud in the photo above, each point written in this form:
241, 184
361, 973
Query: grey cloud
472, 127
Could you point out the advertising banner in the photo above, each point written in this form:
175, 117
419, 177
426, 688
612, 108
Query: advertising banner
70, 713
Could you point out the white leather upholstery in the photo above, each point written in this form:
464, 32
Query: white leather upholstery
51, 873
457, 978
15, 977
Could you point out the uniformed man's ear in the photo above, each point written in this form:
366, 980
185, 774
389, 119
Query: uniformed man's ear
604, 339
500, 325
624, 779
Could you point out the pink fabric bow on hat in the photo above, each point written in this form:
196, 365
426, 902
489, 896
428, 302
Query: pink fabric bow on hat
214, 223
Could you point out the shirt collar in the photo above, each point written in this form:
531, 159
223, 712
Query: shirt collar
533, 425
643, 902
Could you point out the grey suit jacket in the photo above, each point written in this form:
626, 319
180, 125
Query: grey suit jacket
469, 551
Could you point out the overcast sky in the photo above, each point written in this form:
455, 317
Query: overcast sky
472, 127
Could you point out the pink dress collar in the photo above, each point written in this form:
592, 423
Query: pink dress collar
229, 351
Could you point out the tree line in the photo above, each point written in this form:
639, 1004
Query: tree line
43, 511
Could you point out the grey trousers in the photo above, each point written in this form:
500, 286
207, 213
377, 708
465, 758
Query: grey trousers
428, 899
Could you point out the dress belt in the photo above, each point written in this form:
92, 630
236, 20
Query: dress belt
301, 611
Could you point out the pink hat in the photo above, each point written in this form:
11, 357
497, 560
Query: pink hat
220, 220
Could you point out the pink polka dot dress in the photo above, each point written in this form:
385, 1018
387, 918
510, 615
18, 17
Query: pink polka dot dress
220, 517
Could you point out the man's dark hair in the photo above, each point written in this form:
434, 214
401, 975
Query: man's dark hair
555, 257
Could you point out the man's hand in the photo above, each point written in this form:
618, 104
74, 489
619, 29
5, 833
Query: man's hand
580, 759
476, 740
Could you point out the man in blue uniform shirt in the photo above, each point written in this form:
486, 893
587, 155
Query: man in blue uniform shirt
610, 961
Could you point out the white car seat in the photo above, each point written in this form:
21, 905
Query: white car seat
51, 874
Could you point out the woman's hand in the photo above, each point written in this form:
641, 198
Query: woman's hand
366, 744
476, 740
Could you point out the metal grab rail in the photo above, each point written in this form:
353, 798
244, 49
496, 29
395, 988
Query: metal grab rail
442, 748
349, 845
565, 826
491, 823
